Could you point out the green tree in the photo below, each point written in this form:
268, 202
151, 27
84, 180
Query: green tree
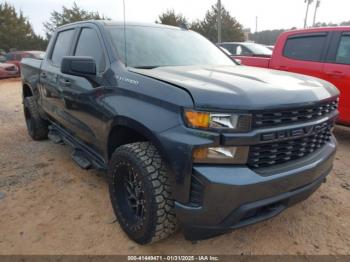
323, 24
267, 37
171, 18
16, 32
345, 23
69, 15
232, 30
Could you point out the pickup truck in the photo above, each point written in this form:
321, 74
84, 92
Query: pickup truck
186, 136
247, 53
318, 52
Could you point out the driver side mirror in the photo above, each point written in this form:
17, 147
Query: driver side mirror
78, 66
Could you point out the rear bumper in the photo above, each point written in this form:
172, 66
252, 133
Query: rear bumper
232, 197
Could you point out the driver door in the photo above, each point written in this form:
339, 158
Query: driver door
82, 96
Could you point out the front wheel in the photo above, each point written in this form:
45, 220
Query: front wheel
140, 193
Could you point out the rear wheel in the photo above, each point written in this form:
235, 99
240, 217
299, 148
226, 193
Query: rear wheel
37, 127
141, 194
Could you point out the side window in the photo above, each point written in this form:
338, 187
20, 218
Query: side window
62, 46
343, 54
230, 47
246, 51
233, 49
308, 48
90, 45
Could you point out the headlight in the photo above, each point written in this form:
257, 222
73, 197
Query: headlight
221, 121
221, 155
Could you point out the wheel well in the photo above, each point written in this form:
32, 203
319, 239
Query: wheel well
27, 92
121, 135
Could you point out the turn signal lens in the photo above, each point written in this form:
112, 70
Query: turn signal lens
221, 155
197, 119
228, 122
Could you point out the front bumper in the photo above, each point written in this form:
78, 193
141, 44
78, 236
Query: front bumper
233, 197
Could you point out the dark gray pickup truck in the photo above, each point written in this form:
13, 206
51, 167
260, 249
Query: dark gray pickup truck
186, 136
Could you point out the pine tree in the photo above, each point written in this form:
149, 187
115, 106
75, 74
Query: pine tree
69, 15
171, 18
16, 32
232, 30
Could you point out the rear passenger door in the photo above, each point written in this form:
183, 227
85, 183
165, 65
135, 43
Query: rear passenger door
51, 88
337, 71
304, 54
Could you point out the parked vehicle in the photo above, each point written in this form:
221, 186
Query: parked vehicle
2, 59
16, 57
8, 70
271, 47
248, 53
319, 52
185, 134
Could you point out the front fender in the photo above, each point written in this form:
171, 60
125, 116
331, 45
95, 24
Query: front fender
175, 146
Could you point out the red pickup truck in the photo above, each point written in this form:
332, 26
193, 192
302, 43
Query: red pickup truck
319, 52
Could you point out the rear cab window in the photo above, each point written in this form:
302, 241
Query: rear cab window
306, 47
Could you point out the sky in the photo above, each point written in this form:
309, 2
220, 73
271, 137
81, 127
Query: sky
272, 14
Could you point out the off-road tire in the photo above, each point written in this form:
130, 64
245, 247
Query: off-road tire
144, 160
36, 126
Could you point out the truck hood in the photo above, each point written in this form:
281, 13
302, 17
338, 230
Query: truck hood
241, 87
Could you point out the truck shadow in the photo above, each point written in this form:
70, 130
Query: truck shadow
342, 133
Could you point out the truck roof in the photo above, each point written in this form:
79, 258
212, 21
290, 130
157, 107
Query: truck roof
120, 23
319, 29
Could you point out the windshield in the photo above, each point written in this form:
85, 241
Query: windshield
258, 49
150, 47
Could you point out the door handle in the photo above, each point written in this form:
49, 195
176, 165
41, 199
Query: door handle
43, 75
65, 82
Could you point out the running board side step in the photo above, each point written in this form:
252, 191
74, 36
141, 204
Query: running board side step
54, 137
79, 158
82, 155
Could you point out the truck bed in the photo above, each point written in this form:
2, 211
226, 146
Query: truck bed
30, 68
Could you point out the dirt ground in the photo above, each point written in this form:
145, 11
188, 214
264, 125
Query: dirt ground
48, 205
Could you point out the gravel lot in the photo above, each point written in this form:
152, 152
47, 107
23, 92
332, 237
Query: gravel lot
48, 205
